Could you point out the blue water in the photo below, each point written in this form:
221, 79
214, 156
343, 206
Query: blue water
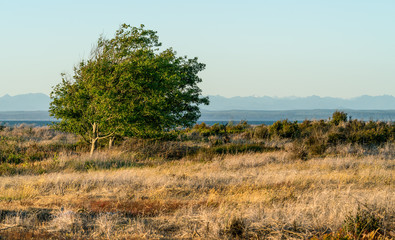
236, 122
30, 123
45, 123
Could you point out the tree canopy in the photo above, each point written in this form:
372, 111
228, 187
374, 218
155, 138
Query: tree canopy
128, 87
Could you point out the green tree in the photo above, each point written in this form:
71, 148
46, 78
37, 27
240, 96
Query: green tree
128, 87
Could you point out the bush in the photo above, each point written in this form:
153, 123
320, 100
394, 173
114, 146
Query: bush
169, 150
298, 151
240, 127
316, 146
218, 129
14, 158
235, 228
338, 117
239, 148
204, 130
261, 132
362, 222
285, 129
336, 138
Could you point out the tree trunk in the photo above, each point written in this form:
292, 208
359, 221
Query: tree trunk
93, 145
110, 142
94, 138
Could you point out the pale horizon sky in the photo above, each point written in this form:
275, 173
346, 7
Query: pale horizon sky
277, 48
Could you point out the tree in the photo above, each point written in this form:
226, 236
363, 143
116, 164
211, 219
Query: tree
128, 87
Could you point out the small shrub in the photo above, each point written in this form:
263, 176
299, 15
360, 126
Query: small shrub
298, 151
235, 228
215, 140
362, 222
203, 129
218, 129
338, 117
169, 150
203, 155
66, 221
336, 138
261, 132
105, 224
238, 128
239, 148
14, 158
285, 129
316, 146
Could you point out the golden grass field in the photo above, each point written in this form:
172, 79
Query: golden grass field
268, 195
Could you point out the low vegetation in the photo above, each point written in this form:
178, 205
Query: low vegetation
329, 179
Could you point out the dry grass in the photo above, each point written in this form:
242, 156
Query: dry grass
255, 196
37, 135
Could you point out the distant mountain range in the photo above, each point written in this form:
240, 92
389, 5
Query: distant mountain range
40, 102
25, 102
34, 106
219, 103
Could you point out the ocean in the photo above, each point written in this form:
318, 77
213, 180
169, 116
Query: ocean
46, 123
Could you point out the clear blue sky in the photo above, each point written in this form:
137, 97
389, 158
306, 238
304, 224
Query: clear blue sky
274, 48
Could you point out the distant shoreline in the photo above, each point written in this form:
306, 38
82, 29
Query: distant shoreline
295, 115
236, 115
225, 117
47, 123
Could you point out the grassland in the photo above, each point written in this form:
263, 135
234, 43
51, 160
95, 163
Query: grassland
246, 184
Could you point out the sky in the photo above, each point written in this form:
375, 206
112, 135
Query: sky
275, 48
